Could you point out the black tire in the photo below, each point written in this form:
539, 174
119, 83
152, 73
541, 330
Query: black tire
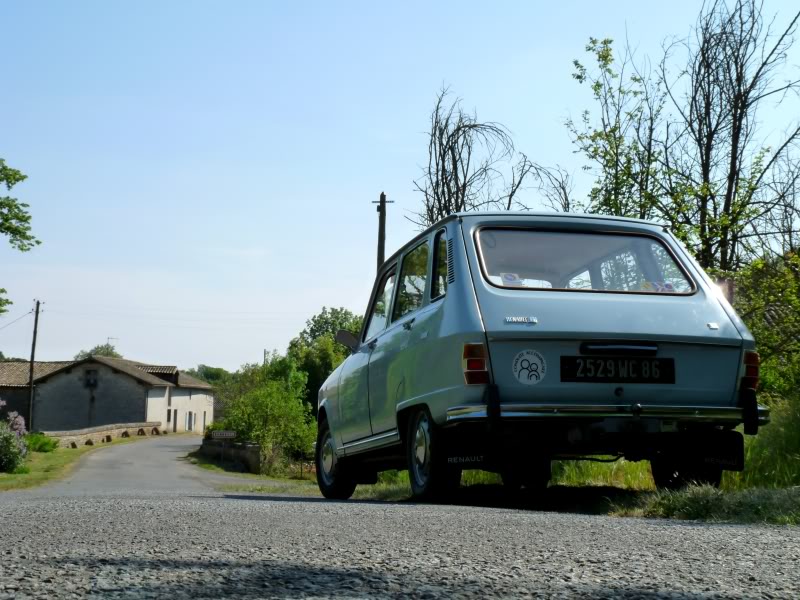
430, 476
675, 475
333, 478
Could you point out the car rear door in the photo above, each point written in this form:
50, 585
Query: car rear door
644, 338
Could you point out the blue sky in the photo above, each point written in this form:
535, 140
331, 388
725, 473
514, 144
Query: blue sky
200, 173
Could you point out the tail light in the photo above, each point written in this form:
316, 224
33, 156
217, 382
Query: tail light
752, 364
474, 363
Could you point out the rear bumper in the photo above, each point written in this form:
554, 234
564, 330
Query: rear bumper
697, 414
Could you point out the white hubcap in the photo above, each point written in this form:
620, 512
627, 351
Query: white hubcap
327, 458
422, 450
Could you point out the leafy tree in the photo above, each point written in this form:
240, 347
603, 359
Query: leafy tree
316, 353
15, 221
767, 296
329, 321
212, 375
687, 149
107, 350
318, 360
264, 404
4, 358
619, 143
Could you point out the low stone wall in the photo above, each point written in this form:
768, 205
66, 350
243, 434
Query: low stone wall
245, 453
104, 433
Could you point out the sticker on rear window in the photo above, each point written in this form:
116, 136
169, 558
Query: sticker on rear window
511, 279
529, 367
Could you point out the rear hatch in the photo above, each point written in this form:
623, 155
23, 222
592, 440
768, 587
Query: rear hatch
574, 315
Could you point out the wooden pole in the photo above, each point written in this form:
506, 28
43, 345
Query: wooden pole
30, 371
382, 227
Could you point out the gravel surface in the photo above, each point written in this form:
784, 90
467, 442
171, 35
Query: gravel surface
114, 531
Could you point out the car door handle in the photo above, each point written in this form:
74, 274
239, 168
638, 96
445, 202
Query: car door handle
409, 324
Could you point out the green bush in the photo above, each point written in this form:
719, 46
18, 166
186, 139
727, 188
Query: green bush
38, 442
772, 458
273, 415
12, 449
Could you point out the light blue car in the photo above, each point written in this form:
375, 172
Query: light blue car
502, 341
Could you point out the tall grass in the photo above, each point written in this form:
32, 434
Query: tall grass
772, 458
621, 474
707, 503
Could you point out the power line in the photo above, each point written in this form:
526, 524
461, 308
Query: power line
30, 312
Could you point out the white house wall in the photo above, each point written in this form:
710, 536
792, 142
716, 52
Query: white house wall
184, 400
157, 405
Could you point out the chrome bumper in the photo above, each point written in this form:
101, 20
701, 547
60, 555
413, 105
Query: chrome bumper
588, 411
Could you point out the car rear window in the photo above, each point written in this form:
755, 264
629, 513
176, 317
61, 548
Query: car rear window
593, 262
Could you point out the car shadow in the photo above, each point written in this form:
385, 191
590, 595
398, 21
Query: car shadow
589, 500
252, 579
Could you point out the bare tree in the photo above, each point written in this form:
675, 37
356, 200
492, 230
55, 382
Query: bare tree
469, 164
555, 186
688, 148
738, 193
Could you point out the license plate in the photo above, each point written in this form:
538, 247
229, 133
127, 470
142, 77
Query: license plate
617, 369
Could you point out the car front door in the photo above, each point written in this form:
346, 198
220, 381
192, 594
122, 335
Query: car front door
353, 403
391, 363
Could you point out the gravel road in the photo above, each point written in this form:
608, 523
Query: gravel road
134, 521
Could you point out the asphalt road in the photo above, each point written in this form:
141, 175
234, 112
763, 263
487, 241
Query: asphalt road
135, 521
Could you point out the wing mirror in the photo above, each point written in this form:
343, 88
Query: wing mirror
345, 338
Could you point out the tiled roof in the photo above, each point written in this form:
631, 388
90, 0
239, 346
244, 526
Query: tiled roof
130, 367
188, 381
157, 369
16, 374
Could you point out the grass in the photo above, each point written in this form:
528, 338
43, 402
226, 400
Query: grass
43, 467
762, 494
705, 503
620, 489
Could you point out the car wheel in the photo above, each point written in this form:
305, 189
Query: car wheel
333, 478
430, 476
672, 475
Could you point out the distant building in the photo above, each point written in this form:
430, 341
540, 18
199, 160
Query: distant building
102, 391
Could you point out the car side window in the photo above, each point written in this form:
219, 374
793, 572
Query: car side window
413, 276
380, 308
439, 281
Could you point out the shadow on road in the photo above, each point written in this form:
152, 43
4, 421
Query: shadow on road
220, 578
590, 500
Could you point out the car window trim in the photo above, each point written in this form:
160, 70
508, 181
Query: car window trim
644, 234
425, 293
382, 278
434, 257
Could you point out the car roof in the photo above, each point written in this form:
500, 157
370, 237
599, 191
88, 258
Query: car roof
511, 214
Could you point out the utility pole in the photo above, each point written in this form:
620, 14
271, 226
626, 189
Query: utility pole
265, 356
30, 372
382, 226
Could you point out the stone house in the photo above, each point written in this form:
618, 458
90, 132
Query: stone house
102, 391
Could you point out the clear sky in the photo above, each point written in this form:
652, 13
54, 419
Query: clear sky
200, 173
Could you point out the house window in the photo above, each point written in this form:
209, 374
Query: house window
169, 398
169, 415
90, 378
